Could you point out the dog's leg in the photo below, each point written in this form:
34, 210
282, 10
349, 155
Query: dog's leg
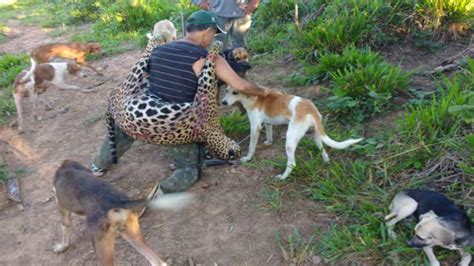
62, 85
133, 235
431, 256
104, 245
268, 134
293, 136
403, 206
82, 62
33, 99
319, 143
466, 257
46, 102
66, 224
255, 128
19, 109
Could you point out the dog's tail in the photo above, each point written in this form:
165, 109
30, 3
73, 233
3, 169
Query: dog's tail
111, 135
390, 216
171, 201
321, 134
30, 72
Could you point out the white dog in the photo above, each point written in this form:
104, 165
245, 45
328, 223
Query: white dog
277, 108
39, 80
166, 28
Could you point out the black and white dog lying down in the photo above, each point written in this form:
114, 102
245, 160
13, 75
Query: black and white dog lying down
440, 222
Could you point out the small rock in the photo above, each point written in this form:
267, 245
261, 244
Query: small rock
64, 110
316, 260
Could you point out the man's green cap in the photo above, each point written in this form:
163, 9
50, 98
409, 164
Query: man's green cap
202, 17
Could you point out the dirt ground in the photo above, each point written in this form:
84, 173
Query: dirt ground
226, 225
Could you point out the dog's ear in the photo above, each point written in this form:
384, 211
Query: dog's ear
444, 235
73, 67
95, 47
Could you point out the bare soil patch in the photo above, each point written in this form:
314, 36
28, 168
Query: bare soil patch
225, 225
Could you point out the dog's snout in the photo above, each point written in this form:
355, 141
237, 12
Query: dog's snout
224, 102
232, 155
416, 244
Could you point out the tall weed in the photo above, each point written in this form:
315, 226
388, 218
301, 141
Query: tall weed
442, 117
363, 83
10, 66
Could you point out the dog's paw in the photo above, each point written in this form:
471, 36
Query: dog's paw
325, 157
59, 248
268, 143
392, 235
280, 177
245, 159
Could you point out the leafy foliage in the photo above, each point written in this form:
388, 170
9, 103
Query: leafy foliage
363, 83
10, 66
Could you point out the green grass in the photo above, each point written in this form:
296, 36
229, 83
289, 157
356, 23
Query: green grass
362, 82
358, 186
235, 124
10, 66
272, 197
296, 248
4, 173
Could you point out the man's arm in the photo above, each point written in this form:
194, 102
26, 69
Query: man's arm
203, 4
225, 73
251, 6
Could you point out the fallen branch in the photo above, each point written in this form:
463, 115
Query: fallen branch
455, 61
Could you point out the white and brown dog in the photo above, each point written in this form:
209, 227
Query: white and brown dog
277, 108
166, 28
32, 82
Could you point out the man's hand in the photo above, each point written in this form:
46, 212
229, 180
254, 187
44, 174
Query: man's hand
205, 5
251, 6
265, 91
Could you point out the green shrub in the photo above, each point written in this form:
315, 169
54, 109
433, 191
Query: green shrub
450, 17
370, 89
10, 66
338, 27
351, 57
363, 83
442, 117
275, 39
4, 173
271, 11
235, 124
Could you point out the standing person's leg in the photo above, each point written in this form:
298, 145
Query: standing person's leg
189, 161
103, 159
239, 30
225, 24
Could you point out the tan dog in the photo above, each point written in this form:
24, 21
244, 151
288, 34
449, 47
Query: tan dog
240, 54
166, 28
108, 212
38, 81
77, 51
277, 108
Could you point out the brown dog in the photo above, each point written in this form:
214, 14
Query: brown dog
108, 212
240, 54
38, 81
76, 50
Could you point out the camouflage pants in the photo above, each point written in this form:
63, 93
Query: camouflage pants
236, 29
188, 160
